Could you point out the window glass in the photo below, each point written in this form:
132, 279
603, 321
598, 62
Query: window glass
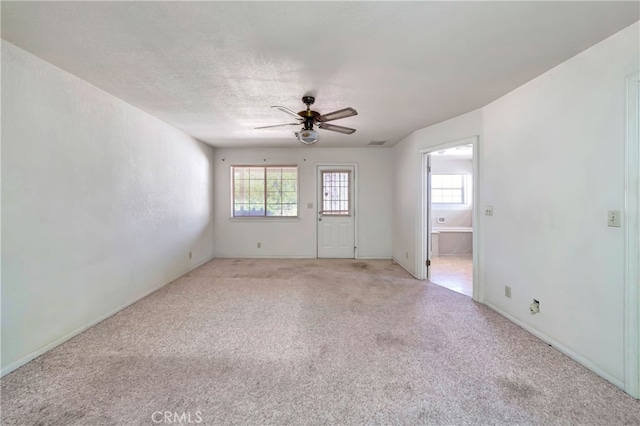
336, 192
265, 191
447, 189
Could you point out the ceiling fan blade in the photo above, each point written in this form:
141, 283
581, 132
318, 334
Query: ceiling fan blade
334, 128
287, 111
277, 125
335, 115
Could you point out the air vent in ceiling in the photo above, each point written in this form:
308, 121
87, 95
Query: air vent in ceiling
376, 143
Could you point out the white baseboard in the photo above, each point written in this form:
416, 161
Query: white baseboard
559, 346
244, 256
33, 355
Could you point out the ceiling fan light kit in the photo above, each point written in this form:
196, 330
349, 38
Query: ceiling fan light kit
307, 136
308, 118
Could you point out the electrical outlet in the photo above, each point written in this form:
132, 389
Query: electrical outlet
190, 255
259, 245
507, 291
613, 218
534, 307
488, 211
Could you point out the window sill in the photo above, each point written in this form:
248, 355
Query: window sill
443, 206
265, 219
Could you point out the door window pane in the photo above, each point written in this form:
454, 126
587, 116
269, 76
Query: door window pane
336, 193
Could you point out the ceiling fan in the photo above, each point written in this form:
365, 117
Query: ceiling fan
308, 118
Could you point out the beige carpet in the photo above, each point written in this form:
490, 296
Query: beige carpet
454, 273
308, 342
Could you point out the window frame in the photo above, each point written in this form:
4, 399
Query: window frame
463, 189
264, 167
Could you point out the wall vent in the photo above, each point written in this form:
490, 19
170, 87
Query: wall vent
376, 143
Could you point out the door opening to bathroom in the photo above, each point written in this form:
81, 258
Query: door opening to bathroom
449, 182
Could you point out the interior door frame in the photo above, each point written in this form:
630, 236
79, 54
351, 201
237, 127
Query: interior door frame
427, 190
354, 194
631, 223
423, 239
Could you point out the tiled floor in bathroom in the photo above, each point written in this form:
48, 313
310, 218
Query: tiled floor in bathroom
453, 272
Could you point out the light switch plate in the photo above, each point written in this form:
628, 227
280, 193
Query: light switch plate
613, 218
309, 205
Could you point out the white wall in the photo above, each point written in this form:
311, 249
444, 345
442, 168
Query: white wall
297, 237
552, 164
101, 205
407, 181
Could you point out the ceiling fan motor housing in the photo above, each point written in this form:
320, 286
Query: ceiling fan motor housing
308, 115
308, 122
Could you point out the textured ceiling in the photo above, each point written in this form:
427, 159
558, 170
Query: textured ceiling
213, 69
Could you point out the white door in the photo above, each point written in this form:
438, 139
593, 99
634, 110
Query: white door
336, 213
429, 238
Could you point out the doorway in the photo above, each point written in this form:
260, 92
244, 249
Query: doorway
450, 173
449, 216
632, 239
336, 211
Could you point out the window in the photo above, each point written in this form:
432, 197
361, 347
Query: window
448, 189
336, 189
265, 191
